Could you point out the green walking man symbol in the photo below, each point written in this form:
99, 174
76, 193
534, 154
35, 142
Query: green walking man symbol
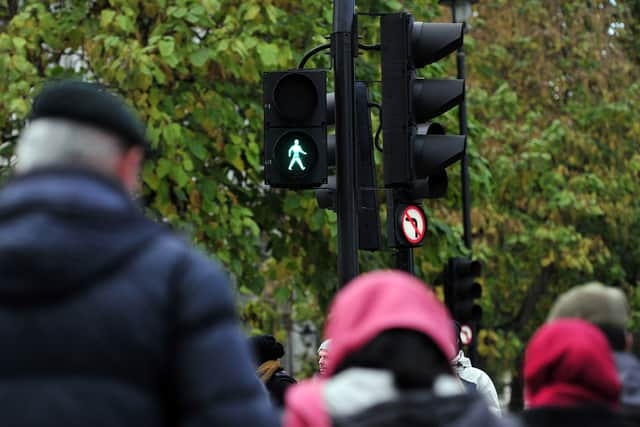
294, 153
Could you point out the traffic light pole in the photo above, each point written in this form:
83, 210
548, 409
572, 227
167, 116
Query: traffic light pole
466, 194
347, 184
404, 260
464, 164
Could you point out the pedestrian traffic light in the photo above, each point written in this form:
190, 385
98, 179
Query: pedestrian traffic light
295, 128
461, 289
408, 101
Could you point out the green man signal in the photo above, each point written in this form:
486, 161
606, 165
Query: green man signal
294, 154
295, 128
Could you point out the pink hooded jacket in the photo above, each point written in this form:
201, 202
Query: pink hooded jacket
367, 306
568, 362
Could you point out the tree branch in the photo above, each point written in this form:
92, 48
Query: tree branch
530, 300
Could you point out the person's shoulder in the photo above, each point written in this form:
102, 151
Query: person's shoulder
177, 247
284, 377
473, 374
187, 261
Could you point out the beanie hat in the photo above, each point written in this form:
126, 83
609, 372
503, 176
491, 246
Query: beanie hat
568, 362
265, 347
90, 104
382, 300
595, 303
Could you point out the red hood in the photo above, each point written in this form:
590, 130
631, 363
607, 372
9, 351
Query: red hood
569, 362
382, 300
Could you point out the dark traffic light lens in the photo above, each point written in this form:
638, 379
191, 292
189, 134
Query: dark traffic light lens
295, 96
296, 154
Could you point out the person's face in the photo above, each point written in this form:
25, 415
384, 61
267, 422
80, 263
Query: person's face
322, 361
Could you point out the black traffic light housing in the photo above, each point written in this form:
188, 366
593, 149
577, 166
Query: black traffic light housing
368, 208
461, 290
295, 128
409, 101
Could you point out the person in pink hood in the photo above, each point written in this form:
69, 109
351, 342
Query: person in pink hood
391, 342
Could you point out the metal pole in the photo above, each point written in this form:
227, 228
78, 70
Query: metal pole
347, 183
404, 260
464, 164
466, 193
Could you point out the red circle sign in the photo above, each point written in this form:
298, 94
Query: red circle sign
466, 334
413, 224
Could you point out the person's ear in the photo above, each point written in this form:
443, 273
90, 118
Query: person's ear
628, 341
128, 169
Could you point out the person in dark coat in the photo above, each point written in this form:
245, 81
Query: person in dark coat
391, 346
106, 318
570, 377
267, 353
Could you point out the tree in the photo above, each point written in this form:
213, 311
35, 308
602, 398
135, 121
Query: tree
559, 134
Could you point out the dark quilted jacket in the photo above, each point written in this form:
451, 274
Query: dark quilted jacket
106, 319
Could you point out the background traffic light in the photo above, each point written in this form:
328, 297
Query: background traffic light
295, 128
408, 101
461, 290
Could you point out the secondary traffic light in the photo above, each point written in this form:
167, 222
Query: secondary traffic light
461, 289
368, 209
295, 128
408, 101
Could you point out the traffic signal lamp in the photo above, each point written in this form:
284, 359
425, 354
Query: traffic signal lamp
295, 128
461, 289
409, 101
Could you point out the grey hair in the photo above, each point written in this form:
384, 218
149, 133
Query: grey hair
325, 345
57, 142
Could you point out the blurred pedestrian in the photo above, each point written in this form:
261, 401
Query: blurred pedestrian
323, 356
268, 352
608, 309
391, 343
570, 378
110, 319
473, 378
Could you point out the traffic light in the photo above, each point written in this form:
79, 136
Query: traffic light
409, 102
368, 209
461, 289
295, 128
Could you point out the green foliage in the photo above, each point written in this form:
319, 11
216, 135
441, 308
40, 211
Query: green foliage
559, 136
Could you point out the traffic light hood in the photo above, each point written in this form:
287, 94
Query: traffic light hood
433, 97
434, 153
431, 42
383, 300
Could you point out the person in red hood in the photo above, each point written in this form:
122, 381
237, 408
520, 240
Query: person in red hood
570, 377
391, 342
